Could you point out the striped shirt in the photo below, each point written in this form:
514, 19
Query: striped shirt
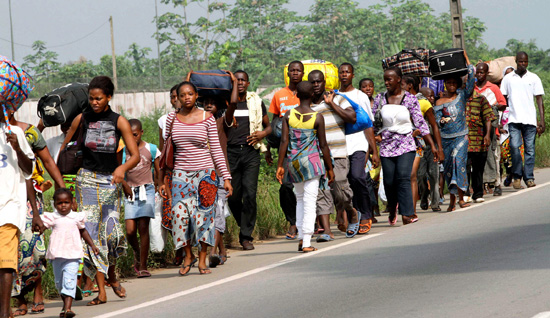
334, 129
196, 145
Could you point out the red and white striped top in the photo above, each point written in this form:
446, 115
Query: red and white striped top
192, 141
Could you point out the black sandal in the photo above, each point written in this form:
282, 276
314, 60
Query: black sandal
186, 269
96, 301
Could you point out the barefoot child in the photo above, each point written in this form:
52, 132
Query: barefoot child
65, 250
139, 198
303, 138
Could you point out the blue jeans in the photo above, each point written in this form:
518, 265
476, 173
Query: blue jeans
397, 182
522, 134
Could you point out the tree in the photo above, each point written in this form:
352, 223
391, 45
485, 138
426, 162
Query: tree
43, 63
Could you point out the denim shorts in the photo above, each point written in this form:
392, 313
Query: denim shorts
141, 208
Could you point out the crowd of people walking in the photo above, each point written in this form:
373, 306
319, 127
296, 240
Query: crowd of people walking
340, 152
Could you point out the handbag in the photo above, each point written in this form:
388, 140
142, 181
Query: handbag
70, 158
410, 61
166, 159
363, 120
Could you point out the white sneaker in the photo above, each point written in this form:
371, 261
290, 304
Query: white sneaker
468, 199
479, 200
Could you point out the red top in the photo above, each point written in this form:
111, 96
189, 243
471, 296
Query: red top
196, 145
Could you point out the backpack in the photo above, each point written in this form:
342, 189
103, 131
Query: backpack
63, 104
152, 148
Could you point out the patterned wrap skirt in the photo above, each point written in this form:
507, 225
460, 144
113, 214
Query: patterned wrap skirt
32, 254
454, 166
100, 200
194, 196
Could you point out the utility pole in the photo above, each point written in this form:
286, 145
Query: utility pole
11, 29
457, 28
158, 44
115, 80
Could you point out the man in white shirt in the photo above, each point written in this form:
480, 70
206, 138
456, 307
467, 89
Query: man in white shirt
520, 88
358, 147
16, 165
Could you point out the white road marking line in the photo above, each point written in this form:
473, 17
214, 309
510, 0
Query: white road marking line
236, 277
545, 314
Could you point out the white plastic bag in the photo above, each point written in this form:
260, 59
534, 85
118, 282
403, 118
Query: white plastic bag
381, 190
157, 234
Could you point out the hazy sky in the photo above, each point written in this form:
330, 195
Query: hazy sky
59, 22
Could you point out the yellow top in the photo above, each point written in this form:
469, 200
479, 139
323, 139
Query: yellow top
424, 105
296, 120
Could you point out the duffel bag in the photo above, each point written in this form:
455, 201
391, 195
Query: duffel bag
410, 61
448, 63
211, 83
497, 66
15, 84
330, 70
63, 104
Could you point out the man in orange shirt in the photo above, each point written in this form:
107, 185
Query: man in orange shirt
283, 101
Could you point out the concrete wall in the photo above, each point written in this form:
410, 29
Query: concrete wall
133, 105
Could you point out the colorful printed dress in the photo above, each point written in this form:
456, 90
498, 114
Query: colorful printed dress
454, 136
304, 156
197, 152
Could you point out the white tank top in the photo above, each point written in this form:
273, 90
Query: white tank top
396, 118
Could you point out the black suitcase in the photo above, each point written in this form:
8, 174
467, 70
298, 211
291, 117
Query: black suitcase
63, 104
448, 63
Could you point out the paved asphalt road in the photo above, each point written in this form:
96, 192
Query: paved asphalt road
490, 260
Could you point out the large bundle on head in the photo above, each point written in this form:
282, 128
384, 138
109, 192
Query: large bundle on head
63, 104
15, 84
448, 63
330, 70
410, 61
215, 83
497, 66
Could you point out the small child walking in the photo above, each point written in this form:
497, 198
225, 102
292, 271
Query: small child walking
139, 198
65, 249
303, 137
218, 254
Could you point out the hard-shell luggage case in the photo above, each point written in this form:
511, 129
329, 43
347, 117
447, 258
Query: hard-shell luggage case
448, 63
63, 104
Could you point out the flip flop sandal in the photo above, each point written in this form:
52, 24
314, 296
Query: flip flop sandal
436, 209
96, 301
223, 259
309, 249
394, 221
119, 291
143, 274
319, 231
353, 227
34, 310
67, 314
87, 293
324, 238
20, 312
463, 205
364, 229
186, 269
290, 236
204, 271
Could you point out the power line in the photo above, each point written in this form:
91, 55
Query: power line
64, 44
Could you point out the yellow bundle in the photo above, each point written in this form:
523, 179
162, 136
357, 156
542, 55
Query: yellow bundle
330, 70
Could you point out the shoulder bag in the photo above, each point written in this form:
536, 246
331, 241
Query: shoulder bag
70, 158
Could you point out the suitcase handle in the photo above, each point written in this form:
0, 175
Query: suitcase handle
412, 52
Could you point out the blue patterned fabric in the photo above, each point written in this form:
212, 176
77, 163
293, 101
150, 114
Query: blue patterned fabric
304, 157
